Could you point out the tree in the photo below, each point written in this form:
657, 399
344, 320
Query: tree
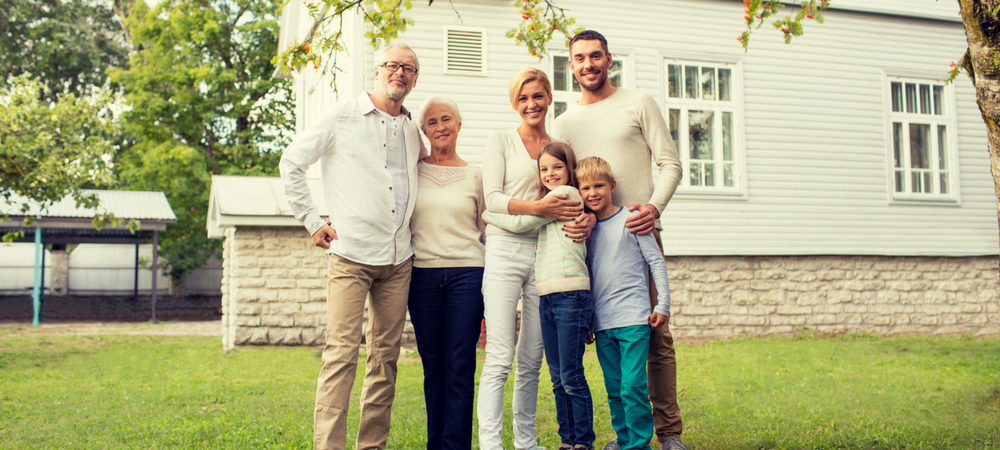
203, 101
66, 44
49, 150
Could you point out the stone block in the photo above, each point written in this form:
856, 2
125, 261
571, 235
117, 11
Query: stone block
316, 295
737, 275
788, 320
850, 319
274, 273
926, 320
277, 321
887, 296
934, 296
243, 273
773, 274
313, 335
691, 321
716, 298
801, 277
250, 336
764, 285
839, 297
284, 309
293, 295
789, 310
698, 311
877, 319
761, 310
949, 319
251, 309
247, 261
280, 283
269, 295
246, 295
828, 309
855, 308
740, 320
706, 277
246, 321
249, 282
811, 298
313, 308
821, 319
284, 336
830, 275
311, 283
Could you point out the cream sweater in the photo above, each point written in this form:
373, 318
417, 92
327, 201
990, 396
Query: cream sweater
627, 130
447, 223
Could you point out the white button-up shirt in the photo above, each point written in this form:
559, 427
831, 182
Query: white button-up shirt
350, 144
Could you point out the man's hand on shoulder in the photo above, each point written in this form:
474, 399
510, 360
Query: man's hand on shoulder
643, 221
324, 236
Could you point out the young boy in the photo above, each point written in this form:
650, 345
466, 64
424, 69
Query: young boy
619, 262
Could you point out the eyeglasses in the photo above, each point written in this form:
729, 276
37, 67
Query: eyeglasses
394, 66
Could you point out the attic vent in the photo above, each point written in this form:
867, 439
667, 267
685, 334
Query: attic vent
465, 51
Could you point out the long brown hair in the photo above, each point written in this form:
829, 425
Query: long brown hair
564, 153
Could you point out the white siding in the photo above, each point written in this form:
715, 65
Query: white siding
815, 116
931, 9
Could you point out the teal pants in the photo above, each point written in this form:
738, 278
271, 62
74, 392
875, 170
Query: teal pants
622, 353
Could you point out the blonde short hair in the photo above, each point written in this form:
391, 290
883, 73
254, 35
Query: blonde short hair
523, 77
438, 100
593, 167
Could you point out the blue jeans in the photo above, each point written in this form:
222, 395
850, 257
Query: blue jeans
446, 310
565, 319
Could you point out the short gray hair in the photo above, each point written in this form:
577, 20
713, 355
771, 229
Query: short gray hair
438, 100
380, 55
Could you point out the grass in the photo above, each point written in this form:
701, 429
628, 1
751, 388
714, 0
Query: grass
152, 392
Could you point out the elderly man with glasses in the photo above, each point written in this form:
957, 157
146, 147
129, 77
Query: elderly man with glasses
368, 150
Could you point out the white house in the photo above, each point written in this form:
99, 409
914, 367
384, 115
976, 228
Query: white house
836, 183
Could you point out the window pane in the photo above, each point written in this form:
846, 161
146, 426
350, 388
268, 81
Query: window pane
691, 82
708, 83
559, 108
897, 97
942, 146
615, 74
899, 181
709, 174
897, 145
911, 98
727, 136
916, 185
729, 175
675, 124
938, 98
700, 134
944, 183
695, 174
919, 140
674, 81
925, 99
725, 85
574, 83
928, 186
559, 73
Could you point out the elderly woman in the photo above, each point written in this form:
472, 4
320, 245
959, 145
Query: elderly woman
446, 301
510, 182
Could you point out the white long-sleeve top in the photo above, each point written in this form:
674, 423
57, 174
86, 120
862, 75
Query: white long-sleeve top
350, 144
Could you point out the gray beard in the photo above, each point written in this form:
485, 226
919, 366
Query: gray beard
394, 93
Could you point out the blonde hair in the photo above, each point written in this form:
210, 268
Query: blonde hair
593, 167
564, 153
523, 77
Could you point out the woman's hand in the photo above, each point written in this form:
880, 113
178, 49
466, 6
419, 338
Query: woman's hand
558, 207
579, 229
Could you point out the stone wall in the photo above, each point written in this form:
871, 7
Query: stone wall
274, 292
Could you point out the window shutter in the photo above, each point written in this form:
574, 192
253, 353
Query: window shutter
465, 51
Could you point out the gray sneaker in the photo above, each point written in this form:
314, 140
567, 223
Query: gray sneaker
673, 443
612, 445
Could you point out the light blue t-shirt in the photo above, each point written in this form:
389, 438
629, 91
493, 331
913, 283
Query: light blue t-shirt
619, 280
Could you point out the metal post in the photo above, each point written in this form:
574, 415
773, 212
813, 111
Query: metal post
156, 252
36, 301
41, 295
135, 286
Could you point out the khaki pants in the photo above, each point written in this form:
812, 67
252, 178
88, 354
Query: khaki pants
662, 373
348, 285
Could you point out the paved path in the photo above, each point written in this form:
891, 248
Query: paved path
195, 328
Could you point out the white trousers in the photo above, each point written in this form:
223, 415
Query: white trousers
509, 275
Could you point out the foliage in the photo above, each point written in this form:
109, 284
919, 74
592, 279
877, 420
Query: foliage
758, 11
386, 20
202, 101
778, 393
67, 44
50, 150
539, 24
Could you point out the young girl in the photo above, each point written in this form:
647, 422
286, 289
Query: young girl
566, 307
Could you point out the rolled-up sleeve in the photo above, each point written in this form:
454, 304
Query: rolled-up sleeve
305, 150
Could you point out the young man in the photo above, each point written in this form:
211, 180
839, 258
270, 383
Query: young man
626, 128
619, 261
368, 148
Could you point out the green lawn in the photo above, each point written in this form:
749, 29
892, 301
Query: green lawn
857, 391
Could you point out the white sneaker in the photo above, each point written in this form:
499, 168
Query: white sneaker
612, 445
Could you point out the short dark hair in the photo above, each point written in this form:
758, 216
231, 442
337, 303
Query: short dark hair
590, 35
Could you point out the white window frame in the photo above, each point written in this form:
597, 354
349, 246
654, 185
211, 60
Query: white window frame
946, 119
734, 106
570, 97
